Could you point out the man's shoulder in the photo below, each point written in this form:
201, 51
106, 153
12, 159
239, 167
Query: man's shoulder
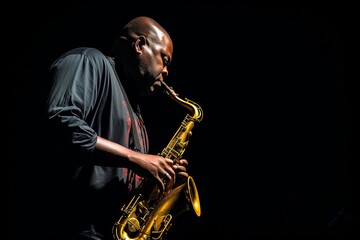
82, 54
94, 55
86, 51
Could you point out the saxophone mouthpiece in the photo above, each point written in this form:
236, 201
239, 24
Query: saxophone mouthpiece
168, 90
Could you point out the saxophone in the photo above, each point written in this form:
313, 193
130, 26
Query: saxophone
150, 213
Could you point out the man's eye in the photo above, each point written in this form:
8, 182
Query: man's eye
166, 61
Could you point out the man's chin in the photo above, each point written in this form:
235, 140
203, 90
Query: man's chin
150, 91
155, 88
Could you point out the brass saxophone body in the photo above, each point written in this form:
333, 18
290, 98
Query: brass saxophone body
149, 214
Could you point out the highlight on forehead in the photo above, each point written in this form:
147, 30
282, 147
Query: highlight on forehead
159, 34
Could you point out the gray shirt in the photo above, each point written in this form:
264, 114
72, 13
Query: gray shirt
87, 100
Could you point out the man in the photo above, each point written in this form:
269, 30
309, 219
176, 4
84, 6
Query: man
96, 132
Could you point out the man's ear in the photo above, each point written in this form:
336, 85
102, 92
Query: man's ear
139, 43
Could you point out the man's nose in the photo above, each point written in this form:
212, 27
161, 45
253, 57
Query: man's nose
165, 72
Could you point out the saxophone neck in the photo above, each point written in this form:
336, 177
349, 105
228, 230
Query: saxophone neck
194, 108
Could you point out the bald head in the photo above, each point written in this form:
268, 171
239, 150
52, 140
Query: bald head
144, 26
144, 49
141, 26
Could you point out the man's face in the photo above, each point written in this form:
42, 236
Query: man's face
153, 60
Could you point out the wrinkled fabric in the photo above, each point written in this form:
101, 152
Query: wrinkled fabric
87, 100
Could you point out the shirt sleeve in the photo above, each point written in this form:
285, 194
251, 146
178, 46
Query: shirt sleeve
72, 96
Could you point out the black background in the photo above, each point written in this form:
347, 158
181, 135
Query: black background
276, 152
